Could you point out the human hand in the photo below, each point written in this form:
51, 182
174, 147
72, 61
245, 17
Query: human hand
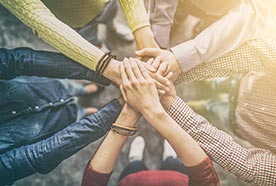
138, 88
160, 66
112, 71
160, 73
167, 98
170, 94
166, 57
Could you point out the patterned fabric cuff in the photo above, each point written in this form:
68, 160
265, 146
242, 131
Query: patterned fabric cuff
176, 105
180, 112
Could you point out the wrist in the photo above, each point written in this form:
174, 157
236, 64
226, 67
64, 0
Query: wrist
128, 117
112, 71
153, 112
175, 66
156, 117
144, 38
167, 101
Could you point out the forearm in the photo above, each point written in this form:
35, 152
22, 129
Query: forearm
241, 24
29, 62
144, 38
37, 16
138, 21
251, 165
46, 154
187, 149
105, 158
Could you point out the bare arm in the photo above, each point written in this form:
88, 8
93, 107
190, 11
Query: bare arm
99, 169
105, 158
140, 93
138, 21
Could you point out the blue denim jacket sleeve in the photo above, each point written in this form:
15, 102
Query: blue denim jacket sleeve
29, 62
46, 154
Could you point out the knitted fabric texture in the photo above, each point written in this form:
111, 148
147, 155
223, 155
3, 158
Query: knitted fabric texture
56, 33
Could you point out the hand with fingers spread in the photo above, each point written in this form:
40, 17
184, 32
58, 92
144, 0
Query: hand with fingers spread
138, 88
165, 56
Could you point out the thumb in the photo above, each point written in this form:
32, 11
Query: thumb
150, 52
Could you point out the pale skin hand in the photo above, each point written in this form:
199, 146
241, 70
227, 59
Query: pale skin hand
112, 72
168, 98
138, 88
166, 56
163, 70
161, 74
139, 91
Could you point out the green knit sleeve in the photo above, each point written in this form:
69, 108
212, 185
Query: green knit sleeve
135, 13
60, 36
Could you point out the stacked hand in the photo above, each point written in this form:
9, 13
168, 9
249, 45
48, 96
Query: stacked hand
165, 56
140, 90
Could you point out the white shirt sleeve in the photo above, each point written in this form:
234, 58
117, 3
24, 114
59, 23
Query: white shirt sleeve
240, 24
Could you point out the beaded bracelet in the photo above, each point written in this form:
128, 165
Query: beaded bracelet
123, 130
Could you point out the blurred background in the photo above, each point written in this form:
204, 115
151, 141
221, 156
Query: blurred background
69, 172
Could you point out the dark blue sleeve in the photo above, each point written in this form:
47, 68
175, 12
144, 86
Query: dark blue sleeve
29, 62
46, 154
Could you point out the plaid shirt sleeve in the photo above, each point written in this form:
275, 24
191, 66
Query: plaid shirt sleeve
256, 166
257, 55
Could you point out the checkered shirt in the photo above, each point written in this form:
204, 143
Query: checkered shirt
255, 113
257, 55
256, 166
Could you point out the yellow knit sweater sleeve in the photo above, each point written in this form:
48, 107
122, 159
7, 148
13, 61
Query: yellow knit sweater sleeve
60, 36
135, 13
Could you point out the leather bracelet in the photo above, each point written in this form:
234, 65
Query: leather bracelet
103, 62
125, 127
124, 130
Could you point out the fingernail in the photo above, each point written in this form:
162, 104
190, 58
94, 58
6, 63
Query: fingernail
168, 83
162, 92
